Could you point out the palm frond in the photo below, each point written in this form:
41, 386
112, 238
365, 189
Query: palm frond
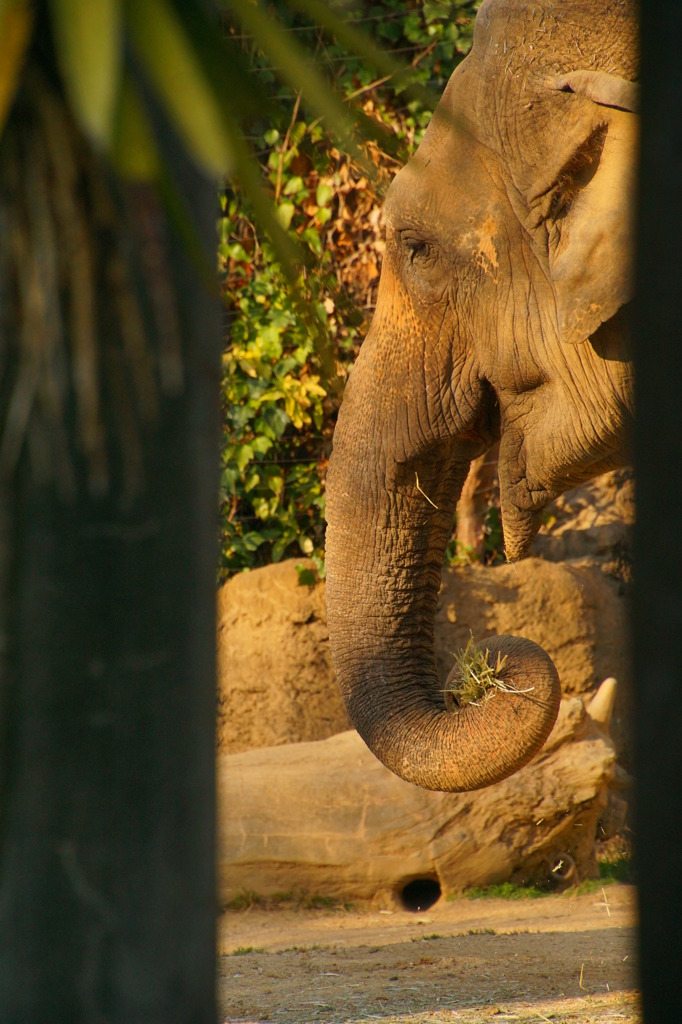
293, 65
16, 24
88, 39
126, 65
178, 76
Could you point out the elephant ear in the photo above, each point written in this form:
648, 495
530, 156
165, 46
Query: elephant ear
588, 209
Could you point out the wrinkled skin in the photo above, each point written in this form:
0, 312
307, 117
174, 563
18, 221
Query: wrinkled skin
500, 315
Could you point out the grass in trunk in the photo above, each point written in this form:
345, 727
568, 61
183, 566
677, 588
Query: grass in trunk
478, 680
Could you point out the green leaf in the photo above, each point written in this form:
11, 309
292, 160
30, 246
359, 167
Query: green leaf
89, 42
236, 251
311, 236
238, 94
261, 444
285, 211
293, 185
306, 577
280, 546
253, 540
244, 456
323, 195
175, 69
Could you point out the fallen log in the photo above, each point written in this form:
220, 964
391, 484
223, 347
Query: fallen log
328, 818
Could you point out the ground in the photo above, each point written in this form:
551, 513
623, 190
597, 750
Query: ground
563, 958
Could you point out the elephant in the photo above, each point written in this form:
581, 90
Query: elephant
502, 314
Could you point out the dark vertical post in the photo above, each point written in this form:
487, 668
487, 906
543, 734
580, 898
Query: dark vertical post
658, 544
107, 906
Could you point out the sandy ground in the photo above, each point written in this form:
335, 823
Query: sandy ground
560, 958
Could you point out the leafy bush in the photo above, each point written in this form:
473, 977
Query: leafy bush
290, 350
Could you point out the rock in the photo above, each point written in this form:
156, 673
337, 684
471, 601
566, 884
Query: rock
592, 521
276, 682
327, 818
574, 611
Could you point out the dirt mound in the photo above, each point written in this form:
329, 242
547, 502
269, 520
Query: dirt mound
573, 611
276, 680
593, 521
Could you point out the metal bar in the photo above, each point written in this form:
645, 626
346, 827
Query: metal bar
658, 531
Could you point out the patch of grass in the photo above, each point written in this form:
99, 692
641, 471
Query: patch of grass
243, 950
434, 936
295, 898
315, 901
505, 891
481, 931
619, 870
588, 886
610, 873
305, 901
244, 900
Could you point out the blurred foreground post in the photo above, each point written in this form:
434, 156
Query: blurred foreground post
107, 805
658, 544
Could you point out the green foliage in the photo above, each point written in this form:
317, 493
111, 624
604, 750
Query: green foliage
610, 872
275, 439
507, 891
619, 870
297, 899
244, 900
290, 350
243, 950
457, 553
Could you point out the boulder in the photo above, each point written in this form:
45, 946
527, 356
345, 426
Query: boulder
592, 521
276, 681
574, 611
328, 818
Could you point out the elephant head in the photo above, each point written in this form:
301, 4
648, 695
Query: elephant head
499, 315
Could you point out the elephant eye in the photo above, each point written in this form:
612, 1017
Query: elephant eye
418, 250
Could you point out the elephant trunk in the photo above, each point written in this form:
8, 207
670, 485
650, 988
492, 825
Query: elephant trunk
388, 523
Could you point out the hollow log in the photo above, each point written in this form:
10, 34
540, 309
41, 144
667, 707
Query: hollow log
328, 818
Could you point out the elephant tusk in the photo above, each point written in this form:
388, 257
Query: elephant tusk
600, 708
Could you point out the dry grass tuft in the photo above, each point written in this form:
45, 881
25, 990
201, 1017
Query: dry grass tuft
478, 680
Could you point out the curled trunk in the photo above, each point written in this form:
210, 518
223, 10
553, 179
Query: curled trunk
388, 523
